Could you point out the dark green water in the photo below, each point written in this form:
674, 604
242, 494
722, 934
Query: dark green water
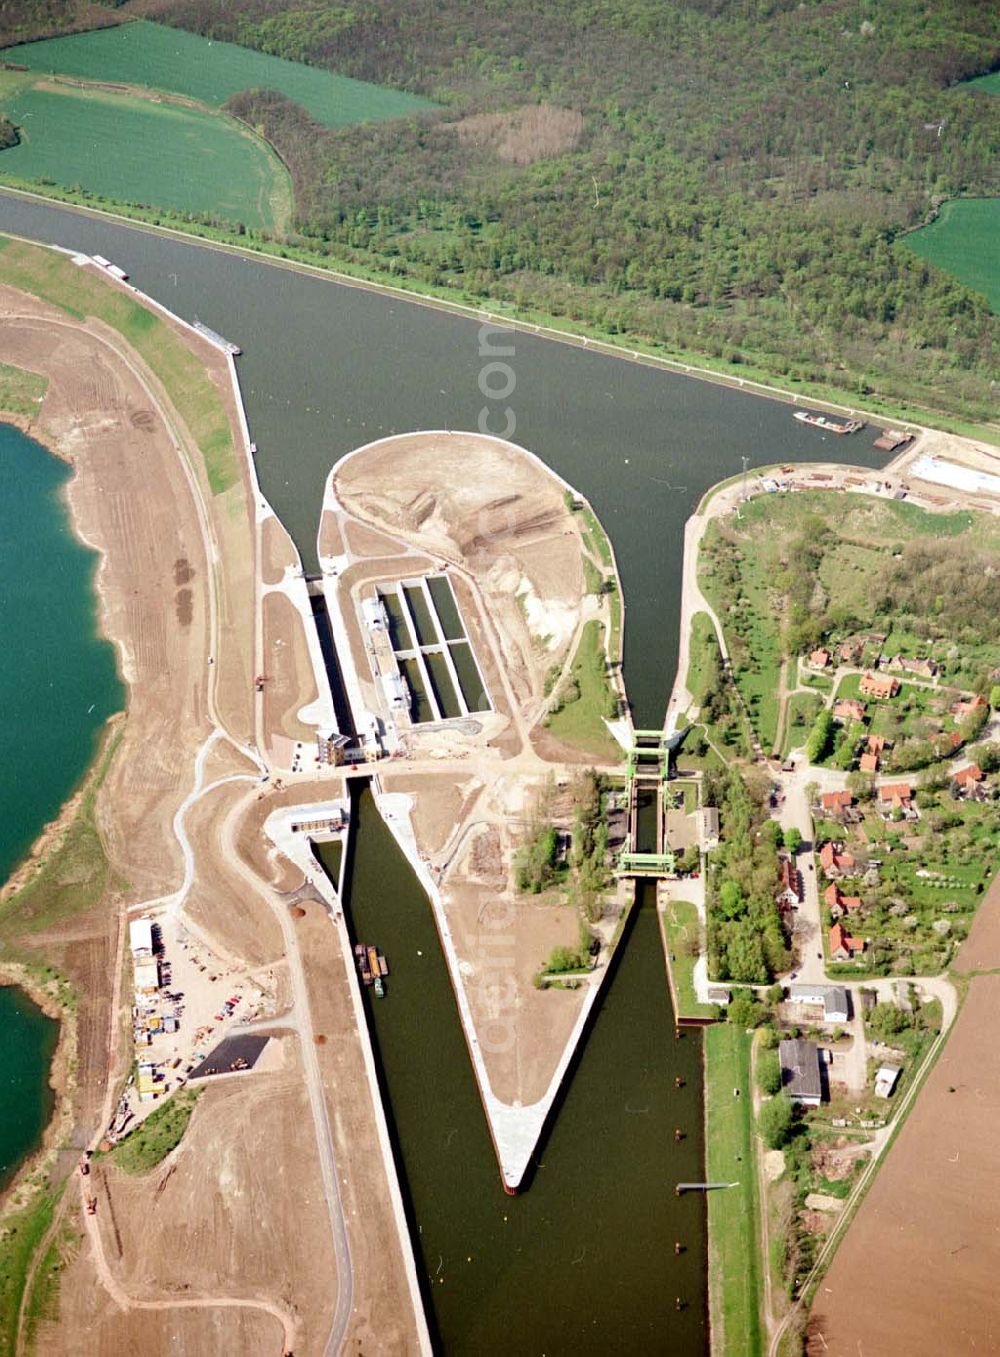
58, 682
328, 367
447, 608
583, 1262
27, 1044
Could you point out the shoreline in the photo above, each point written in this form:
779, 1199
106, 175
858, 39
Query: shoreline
60, 1078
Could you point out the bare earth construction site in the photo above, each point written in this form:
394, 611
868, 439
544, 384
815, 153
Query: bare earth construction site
276, 1223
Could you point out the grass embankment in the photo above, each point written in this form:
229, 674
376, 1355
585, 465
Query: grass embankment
148, 54
703, 657
734, 1270
585, 698
682, 929
81, 294
20, 1236
74, 874
43, 1299
21, 392
161, 1132
184, 158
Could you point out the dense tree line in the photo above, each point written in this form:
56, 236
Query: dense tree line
743, 172
745, 938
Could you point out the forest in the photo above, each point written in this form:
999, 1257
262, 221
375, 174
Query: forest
723, 177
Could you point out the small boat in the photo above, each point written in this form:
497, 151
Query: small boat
826, 423
379, 987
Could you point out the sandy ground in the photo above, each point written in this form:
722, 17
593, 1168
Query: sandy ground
382, 1320
916, 1273
220, 902
130, 498
472, 828
277, 551
222, 1215
290, 683
496, 512
112, 1332
330, 541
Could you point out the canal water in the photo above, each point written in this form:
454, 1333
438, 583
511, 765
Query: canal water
327, 367
584, 1261
27, 1044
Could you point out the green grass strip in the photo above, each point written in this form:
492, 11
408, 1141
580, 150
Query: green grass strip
734, 1267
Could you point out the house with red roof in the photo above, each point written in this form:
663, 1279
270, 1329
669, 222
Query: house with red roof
843, 947
835, 803
967, 706
849, 709
869, 763
893, 796
881, 686
820, 659
834, 861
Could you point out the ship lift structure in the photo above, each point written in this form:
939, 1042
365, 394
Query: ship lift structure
647, 773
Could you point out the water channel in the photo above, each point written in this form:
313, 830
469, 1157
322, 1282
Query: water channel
584, 1260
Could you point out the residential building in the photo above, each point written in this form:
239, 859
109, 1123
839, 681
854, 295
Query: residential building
836, 803
923, 668
844, 947
834, 861
800, 1076
968, 706
832, 999
896, 796
849, 709
869, 763
968, 777
881, 686
820, 659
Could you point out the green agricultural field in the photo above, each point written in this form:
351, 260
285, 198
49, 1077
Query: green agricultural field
169, 59
965, 242
990, 83
138, 150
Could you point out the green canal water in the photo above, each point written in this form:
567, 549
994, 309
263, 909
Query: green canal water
58, 685
27, 1043
583, 1261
